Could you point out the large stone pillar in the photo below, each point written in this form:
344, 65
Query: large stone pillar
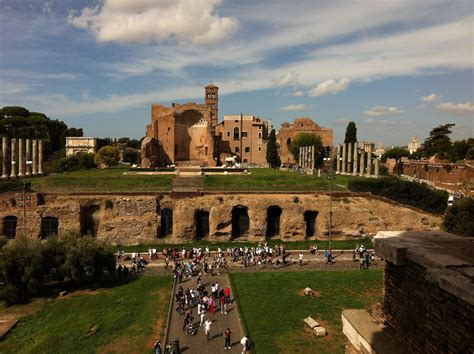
312, 157
349, 158
35, 157
376, 167
362, 161
344, 158
4, 157
40, 157
356, 159
369, 160
21, 159
13, 159
300, 162
338, 161
28, 158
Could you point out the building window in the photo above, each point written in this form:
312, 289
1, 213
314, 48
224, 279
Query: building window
237, 149
259, 148
166, 227
310, 221
236, 133
228, 134
244, 134
9, 226
260, 127
273, 221
288, 142
245, 160
260, 135
202, 224
240, 221
49, 227
247, 149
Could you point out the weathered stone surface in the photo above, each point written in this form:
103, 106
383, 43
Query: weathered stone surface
308, 291
319, 331
149, 152
311, 323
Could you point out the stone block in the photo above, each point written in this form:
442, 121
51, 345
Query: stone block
308, 291
311, 323
319, 331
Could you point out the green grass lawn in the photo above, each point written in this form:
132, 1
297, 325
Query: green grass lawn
274, 310
106, 180
296, 245
123, 319
267, 179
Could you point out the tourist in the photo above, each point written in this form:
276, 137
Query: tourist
227, 294
211, 302
223, 305
207, 329
125, 271
227, 338
301, 260
157, 347
245, 344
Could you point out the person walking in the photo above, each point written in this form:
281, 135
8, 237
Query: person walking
207, 329
227, 338
157, 347
223, 305
245, 344
212, 305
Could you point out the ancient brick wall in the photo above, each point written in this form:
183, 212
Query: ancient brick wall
427, 318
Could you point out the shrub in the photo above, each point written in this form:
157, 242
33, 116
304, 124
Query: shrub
459, 218
404, 192
107, 155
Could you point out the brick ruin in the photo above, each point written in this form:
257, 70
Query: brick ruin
151, 218
428, 304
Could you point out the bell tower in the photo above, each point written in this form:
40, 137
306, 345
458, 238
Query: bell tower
212, 103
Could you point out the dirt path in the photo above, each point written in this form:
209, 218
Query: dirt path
197, 343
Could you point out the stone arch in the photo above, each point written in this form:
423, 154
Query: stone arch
310, 222
49, 227
90, 220
9, 226
273, 220
240, 221
191, 136
202, 223
288, 142
166, 224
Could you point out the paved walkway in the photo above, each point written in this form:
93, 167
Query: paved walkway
197, 343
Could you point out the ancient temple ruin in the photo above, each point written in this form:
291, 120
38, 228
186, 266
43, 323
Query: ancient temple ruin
21, 157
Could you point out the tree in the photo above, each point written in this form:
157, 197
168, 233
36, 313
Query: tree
273, 158
307, 139
131, 156
396, 153
439, 141
74, 132
459, 218
351, 133
107, 155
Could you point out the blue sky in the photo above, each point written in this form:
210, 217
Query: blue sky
395, 67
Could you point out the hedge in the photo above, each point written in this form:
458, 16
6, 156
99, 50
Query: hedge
459, 218
415, 194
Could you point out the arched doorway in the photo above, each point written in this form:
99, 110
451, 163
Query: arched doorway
9, 226
273, 221
90, 220
202, 224
240, 221
49, 227
310, 221
166, 227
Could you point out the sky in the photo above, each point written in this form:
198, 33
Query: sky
394, 67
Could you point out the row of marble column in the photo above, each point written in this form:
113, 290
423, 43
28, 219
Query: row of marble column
352, 160
307, 160
22, 157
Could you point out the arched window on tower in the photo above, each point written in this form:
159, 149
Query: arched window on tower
236, 133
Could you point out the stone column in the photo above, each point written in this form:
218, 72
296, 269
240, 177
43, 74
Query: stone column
35, 157
338, 162
356, 159
376, 167
362, 161
344, 158
312, 157
369, 160
40, 157
21, 159
28, 158
300, 162
349, 158
5, 157
13, 159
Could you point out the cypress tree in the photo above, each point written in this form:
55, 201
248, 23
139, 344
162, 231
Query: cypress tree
351, 133
273, 158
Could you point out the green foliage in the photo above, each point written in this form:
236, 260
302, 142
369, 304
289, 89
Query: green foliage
81, 161
10, 111
351, 133
415, 194
131, 156
396, 153
461, 150
459, 218
417, 155
27, 264
273, 158
307, 139
74, 132
108, 155
439, 141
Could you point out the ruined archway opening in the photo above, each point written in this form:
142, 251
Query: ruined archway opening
49, 227
90, 220
9, 226
310, 221
273, 221
240, 221
202, 224
166, 226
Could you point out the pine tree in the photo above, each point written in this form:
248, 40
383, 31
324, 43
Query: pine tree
273, 158
351, 133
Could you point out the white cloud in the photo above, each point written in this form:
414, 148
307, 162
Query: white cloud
430, 98
295, 108
290, 78
46, 8
143, 21
341, 121
330, 87
378, 111
374, 122
458, 109
298, 93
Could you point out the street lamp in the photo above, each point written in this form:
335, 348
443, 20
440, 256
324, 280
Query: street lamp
331, 176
